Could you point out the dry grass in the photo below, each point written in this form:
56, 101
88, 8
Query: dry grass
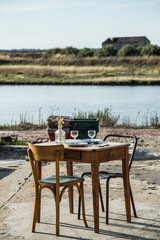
45, 59
92, 72
38, 68
52, 70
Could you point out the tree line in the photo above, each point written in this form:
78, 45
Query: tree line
107, 51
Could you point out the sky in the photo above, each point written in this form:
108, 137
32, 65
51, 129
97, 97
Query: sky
45, 24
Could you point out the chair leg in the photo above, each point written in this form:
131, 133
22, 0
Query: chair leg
107, 200
83, 205
39, 205
133, 205
35, 211
79, 207
57, 214
101, 198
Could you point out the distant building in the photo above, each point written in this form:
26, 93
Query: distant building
118, 42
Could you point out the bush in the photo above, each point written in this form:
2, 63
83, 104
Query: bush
139, 49
150, 50
106, 52
70, 51
54, 51
57, 51
86, 52
128, 50
63, 51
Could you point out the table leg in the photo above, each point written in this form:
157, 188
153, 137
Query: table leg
95, 192
70, 190
126, 184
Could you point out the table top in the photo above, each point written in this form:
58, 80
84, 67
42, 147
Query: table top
88, 147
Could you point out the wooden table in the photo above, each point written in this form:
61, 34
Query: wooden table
95, 155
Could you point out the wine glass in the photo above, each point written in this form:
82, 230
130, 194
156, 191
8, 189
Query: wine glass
74, 134
91, 134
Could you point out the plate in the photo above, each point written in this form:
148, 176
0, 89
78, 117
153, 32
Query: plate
95, 140
77, 144
103, 144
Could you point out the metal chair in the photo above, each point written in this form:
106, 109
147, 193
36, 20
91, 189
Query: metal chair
109, 175
38, 154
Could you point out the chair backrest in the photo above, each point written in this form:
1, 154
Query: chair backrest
134, 143
39, 153
46, 153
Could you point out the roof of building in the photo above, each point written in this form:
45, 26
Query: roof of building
124, 39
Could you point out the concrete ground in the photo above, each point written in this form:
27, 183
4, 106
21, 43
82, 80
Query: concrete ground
17, 195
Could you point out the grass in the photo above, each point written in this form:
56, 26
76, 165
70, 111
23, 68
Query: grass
39, 68
18, 142
41, 58
23, 126
102, 75
106, 119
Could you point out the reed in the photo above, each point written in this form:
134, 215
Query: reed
106, 119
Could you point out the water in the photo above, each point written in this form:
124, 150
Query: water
35, 103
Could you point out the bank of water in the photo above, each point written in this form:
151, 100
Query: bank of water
36, 103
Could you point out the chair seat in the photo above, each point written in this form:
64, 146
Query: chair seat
62, 179
104, 175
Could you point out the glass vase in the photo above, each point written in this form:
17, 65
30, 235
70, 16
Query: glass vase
60, 135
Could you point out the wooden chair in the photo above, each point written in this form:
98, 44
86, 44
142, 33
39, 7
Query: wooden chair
38, 154
109, 175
